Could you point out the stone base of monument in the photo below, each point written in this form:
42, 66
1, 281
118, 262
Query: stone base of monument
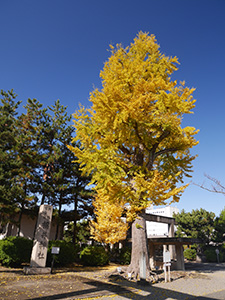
36, 271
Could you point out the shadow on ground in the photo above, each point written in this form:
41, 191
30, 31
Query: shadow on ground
204, 267
71, 285
125, 290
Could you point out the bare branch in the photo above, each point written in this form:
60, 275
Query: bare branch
217, 187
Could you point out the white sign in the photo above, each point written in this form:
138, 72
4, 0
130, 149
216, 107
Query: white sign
166, 257
55, 250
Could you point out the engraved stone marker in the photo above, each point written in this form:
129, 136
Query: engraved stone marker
40, 246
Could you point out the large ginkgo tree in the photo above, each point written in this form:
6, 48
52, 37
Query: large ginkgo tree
132, 141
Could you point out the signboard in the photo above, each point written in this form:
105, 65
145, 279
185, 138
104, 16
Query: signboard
55, 250
166, 257
166, 264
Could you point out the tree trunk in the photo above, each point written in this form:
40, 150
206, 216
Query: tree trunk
22, 210
43, 198
20, 219
139, 253
74, 240
58, 221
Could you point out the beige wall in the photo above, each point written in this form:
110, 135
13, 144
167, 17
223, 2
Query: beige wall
28, 226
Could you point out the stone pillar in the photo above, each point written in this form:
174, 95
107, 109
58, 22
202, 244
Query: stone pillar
40, 246
180, 257
142, 265
171, 234
151, 247
165, 248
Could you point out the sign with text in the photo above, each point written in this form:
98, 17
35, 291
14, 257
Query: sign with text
166, 257
55, 250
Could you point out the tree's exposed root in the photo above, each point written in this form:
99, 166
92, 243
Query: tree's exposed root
133, 274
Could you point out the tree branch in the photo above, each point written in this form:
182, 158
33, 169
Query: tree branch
217, 188
152, 154
124, 150
165, 151
138, 135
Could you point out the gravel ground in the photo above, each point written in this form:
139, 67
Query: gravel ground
200, 281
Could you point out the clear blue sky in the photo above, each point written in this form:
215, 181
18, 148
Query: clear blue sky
52, 49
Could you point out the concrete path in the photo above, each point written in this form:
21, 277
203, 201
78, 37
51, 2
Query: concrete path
206, 281
201, 281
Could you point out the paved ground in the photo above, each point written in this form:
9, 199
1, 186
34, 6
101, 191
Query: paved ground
200, 281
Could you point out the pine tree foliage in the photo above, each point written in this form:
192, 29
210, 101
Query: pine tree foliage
198, 224
131, 137
9, 190
36, 165
219, 224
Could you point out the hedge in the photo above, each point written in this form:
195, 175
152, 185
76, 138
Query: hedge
190, 254
94, 256
68, 253
14, 251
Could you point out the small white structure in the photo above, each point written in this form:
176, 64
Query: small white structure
159, 229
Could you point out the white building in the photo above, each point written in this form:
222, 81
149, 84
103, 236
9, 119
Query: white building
159, 229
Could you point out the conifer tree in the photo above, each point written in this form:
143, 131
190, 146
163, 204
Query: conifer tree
9, 191
198, 224
35, 163
80, 194
219, 224
131, 137
28, 157
63, 183
56, 178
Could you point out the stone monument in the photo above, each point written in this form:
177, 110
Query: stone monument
40, 245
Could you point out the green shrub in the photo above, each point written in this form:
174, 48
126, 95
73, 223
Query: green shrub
190, 254
15, 250
94, 256
211, 256
68, 253
125, 256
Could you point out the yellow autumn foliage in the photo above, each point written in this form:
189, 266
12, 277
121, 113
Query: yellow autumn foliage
110, 226
132, 141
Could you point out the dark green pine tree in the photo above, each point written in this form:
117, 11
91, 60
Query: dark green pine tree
219, 233
28, 156
70, 188
9, 190
66, 185
35, 162
81, 194
197, 224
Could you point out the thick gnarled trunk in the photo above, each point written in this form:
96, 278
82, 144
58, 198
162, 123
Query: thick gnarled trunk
139, 253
